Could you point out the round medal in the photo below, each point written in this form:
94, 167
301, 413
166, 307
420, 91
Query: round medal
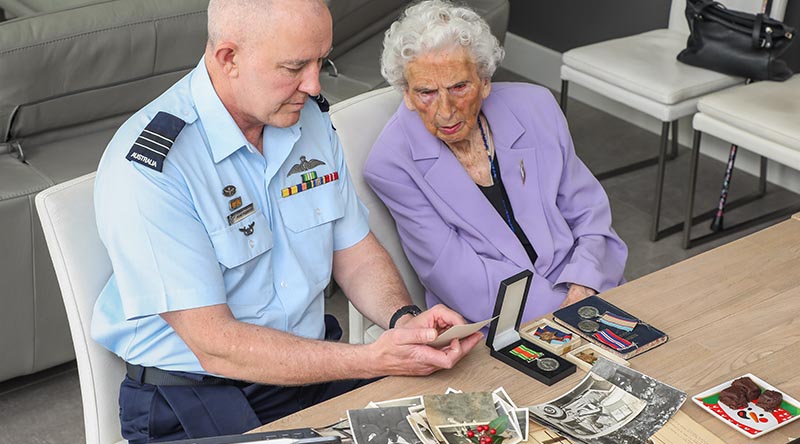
588, 326
547, 364
588, 312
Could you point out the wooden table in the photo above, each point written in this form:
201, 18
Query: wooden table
729, 311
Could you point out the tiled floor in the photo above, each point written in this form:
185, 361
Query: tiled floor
46, 408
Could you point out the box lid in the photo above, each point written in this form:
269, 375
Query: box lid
508, 308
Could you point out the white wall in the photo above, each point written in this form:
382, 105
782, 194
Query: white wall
542, 65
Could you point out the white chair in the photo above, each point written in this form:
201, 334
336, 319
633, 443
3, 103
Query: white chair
642, 72
83, 268
761, 117
358, 121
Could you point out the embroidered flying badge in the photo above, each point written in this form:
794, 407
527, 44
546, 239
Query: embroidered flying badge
304, 165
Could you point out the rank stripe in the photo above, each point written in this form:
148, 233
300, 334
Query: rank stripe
154, 142
158, 135
150, 149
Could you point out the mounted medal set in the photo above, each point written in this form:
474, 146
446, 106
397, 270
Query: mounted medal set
609, 327
524, 353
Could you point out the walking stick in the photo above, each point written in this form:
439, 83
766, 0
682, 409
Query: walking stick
717, 222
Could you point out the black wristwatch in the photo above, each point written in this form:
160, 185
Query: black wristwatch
413, 310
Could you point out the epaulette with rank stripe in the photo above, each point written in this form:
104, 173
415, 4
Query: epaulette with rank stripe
322, 102
155, 141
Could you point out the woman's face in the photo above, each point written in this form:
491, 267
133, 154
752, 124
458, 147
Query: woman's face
445, 90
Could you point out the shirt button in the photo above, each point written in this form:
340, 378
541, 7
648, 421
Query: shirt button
318, 211
252, 243
283, 284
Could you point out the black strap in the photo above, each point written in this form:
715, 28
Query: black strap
768, 8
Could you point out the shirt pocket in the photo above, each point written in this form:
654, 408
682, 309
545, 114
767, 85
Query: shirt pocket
309, 218
234, 247
312, 208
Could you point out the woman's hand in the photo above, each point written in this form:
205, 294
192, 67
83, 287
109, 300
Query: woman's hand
576, 293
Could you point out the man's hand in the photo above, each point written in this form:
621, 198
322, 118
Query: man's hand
403, 350
439, 317
576, 293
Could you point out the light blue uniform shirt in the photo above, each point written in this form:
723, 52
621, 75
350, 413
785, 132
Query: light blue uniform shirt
173, 245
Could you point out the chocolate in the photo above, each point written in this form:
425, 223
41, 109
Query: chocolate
769, 400
734, 397
751, 389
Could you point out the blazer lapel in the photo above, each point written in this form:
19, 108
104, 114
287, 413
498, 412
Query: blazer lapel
519, 169
451, 182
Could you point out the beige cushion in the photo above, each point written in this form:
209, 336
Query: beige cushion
646, 64
768, 110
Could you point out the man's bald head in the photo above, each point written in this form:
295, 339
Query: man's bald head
240, 21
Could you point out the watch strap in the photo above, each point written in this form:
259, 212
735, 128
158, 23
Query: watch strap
402, 311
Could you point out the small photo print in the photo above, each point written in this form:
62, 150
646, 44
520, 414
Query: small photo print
458, 433
501, 393
382, 426
523, 421
422, 428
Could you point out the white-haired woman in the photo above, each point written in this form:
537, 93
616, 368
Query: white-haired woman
482, 179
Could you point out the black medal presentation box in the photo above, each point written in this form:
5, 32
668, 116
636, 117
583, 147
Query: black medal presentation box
610, 327
507, 345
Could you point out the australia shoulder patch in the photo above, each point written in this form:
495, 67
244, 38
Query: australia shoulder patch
153, 144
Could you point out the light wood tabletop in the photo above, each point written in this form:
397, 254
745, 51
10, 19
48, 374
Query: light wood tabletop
730, 311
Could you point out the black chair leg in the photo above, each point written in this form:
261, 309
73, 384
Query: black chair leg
762, 177
564, 96
674, 153
687, 221
662, 160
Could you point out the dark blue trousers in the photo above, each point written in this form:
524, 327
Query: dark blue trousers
150, 413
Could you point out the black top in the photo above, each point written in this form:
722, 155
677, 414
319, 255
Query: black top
497, 196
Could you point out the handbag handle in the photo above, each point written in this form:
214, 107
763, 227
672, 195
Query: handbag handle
757, 33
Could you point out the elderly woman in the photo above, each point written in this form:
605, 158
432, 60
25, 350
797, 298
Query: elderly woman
482, 179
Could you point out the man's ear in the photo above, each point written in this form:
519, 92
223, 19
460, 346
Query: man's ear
226, 57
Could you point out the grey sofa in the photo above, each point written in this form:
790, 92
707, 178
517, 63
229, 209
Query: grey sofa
70, 73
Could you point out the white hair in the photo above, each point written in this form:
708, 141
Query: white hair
434, 25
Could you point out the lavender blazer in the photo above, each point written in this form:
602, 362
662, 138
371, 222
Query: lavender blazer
460, 247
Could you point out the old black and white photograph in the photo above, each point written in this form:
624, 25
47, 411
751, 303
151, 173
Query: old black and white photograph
382, 426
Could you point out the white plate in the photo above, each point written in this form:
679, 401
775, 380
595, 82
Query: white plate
751, 421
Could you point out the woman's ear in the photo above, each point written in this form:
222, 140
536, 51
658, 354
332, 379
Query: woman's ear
486, 87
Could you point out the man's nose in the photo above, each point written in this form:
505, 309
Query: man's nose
309, 84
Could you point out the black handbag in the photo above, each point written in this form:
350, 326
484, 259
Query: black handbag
736, 43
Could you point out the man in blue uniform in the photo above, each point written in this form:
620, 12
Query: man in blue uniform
226, 207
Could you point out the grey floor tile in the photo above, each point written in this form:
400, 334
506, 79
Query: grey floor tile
42, 408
